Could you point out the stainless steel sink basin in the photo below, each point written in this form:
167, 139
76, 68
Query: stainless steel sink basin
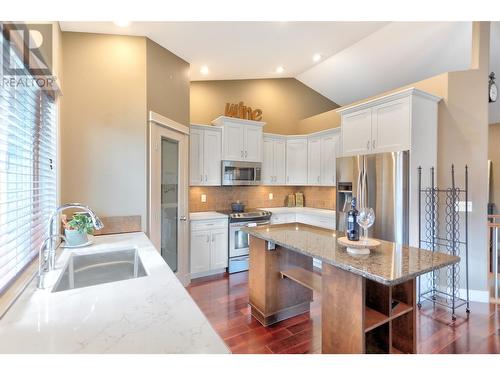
99, 268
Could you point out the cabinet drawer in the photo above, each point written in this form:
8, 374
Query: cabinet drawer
209, 224
317, 221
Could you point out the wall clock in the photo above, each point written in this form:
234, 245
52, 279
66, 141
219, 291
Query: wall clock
492, 88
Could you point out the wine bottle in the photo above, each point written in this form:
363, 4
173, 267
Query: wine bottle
352, 222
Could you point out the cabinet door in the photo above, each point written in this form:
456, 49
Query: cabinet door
328, 158
279, 162
391, 126
314, 161
268, 162
234, 142
200, 251
296, 161
212, 149
219, 253
253, 143
356, 132
196, 157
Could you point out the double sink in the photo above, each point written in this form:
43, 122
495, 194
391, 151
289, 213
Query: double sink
82, 270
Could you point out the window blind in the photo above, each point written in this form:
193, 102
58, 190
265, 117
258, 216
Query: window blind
28, 179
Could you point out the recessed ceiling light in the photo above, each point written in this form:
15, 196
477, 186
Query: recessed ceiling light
280, 69
316, 57
204, 70
122, 23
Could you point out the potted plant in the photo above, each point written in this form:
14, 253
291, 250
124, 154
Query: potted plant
77, 229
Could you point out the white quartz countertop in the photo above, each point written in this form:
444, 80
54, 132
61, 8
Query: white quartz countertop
304, 210
207, 215
151, 314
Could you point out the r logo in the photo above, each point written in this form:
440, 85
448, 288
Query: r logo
36, 42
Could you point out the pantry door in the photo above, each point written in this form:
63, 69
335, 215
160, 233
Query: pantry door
168, 193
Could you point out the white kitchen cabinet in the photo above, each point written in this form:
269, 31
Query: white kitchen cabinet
241, 139
200, 251
329, 151
274, 160
253, 143
296, 161
196, 172
391, 126
219, 249
314, 161
388, 124
205, 155
356, 132
209, 247
234, 142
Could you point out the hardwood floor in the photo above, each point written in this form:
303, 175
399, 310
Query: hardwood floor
224, 300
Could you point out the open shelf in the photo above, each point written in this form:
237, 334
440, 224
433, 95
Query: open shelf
373, 319
309, 279
400, 309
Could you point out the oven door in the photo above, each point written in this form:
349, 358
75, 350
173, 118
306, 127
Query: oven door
239, 240
241, 173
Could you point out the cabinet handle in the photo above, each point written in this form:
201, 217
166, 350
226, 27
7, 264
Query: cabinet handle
246, 154
208, 238
368, 145
373, 143
206, 178
241, 153
213, 238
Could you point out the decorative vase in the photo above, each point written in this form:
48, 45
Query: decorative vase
75, 237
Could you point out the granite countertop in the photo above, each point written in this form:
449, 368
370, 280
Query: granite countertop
206, 215
150, 314
389, 264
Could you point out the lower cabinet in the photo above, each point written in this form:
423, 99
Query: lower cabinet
209, 247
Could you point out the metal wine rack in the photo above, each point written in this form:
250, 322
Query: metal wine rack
442, 228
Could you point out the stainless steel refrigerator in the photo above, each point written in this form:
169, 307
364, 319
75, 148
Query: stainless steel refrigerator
379, 181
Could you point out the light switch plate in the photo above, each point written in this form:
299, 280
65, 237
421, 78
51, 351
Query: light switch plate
271, 196
461, 206
203, 198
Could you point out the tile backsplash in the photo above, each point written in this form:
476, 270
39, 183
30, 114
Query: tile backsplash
220, 198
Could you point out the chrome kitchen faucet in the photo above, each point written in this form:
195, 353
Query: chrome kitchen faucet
47, 259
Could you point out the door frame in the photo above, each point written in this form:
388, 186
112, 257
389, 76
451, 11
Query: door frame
159, 125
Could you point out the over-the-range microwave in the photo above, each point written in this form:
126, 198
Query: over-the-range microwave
241, 173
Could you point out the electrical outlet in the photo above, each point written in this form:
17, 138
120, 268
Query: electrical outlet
461, 206
271, 196
203, 198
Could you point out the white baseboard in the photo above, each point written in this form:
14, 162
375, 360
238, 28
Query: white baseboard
475, 295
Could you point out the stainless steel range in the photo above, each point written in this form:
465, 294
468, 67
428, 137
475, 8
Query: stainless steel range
238, 240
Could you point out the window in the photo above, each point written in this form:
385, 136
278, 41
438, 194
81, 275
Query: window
28, 179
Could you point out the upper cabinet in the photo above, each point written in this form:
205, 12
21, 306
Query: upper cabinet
385, 124
274, 160
296, 160
241, 139
205, 155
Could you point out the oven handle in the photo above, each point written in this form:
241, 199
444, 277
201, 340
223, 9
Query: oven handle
245, 224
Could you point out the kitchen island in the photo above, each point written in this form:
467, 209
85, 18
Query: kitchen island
368, 301
149, 314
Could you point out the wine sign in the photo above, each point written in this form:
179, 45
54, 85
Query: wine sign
242, 111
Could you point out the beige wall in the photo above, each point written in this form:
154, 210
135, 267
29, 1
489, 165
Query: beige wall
111, 82
167, 83
494, 156
103, 128
284, 101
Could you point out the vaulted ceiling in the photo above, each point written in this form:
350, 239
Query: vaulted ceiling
358, 59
